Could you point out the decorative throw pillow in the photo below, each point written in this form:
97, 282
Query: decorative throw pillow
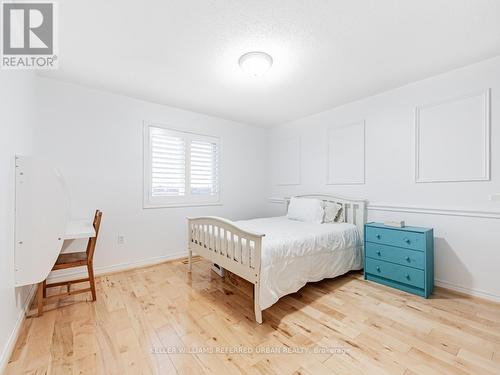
332, 210
340, 218
306, 209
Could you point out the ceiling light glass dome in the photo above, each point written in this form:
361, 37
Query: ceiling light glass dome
255, 63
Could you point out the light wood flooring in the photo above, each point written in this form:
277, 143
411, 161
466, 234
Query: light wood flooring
356, 327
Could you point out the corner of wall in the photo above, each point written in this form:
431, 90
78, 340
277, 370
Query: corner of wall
11, 341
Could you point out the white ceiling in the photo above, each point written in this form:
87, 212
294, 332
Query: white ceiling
184, 53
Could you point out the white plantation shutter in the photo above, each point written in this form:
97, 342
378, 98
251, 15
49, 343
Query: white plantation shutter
180, 168
204, 168
168, 164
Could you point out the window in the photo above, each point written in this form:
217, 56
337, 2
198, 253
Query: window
180, 168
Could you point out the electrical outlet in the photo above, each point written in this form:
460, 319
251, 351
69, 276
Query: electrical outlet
120, 239
495, 197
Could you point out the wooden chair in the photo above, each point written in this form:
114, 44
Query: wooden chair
70, 260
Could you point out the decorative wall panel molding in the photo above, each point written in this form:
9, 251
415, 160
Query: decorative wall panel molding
419, 209
452, 139
277, 200
434, 210
346, 154
286, 169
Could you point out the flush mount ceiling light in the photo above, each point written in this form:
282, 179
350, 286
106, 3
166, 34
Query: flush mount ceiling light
255, 63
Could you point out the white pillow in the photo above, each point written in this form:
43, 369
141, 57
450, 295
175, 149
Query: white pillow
332, 211
306, 209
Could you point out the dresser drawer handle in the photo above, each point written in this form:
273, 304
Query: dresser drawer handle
379, 253
378, 269
407, 240
378, 236
408, 259
407, 277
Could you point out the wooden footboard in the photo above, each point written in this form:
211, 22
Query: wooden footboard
222, 242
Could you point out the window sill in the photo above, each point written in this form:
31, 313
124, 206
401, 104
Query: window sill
147, 206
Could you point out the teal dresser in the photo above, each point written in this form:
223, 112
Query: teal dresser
401, 258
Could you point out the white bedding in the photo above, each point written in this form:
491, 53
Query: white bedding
295, 252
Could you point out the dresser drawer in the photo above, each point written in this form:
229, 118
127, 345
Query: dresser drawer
409, 240
397, 255
395, 272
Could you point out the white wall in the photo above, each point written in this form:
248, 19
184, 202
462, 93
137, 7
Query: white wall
466, 222
16, 135
96, 140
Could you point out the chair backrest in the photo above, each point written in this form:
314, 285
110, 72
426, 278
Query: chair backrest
92, 241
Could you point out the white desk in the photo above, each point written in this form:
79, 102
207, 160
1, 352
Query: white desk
79, 229
42, 205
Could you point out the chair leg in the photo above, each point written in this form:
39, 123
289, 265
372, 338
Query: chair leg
90, 269
39, 296
45, 288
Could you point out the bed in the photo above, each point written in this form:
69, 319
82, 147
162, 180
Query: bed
279, 255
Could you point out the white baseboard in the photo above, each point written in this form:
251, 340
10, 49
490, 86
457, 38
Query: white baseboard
11, 342
81, 272
471, 292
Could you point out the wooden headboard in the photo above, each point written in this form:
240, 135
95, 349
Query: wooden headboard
354, 209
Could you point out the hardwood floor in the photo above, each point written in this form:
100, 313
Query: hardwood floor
354, 326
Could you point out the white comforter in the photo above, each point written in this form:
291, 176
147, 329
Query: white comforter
295, 252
